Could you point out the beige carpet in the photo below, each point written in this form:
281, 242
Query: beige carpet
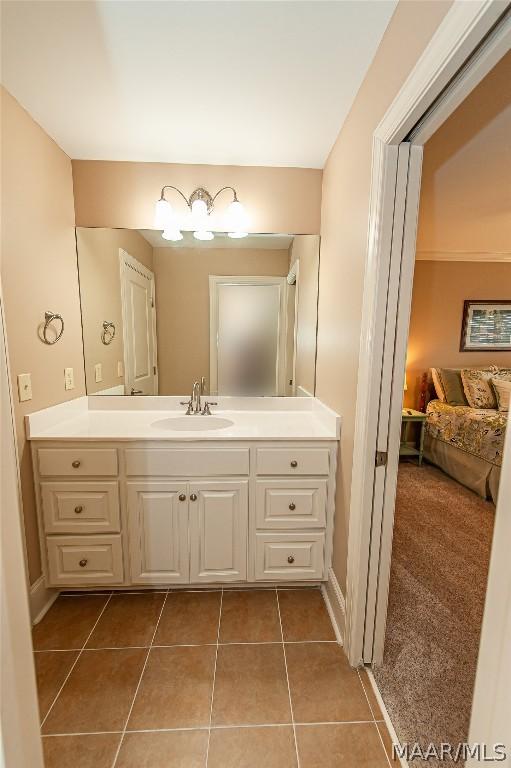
440, 556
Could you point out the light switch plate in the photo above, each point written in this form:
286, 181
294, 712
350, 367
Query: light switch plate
120, 368
98, 372
69, 378
24, 387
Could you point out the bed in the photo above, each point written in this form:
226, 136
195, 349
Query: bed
466, 443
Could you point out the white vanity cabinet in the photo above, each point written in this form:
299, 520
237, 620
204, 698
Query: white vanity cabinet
195, 512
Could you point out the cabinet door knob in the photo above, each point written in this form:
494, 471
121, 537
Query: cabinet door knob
294, 463
290, 559
76, 464
193, 497
182, 497
83, 563
292, 506
78, 509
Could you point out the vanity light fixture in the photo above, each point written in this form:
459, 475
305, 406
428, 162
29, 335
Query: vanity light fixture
200, 204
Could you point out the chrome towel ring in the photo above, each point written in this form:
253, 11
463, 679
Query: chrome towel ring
49, 317
108, 332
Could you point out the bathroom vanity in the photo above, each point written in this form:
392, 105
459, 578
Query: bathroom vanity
131, 492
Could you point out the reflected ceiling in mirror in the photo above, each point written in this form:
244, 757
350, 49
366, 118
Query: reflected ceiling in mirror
159, 315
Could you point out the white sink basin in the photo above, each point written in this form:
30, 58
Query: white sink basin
196, 423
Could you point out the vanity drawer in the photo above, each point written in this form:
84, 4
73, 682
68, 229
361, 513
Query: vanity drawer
81, 507
84, 560
289, 556
184, 462
77, 461
293, 461
291, 503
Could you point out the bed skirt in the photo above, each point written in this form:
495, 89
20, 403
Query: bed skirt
477, 474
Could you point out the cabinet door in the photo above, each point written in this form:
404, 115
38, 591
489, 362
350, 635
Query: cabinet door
158, 532
218, 531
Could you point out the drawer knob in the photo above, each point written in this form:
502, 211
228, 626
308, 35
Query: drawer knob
290, 559
76, 464
294, 463
182, 497
292, 506
193, 497
78, 509
83, 562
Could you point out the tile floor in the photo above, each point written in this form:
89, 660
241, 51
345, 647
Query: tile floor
194, 679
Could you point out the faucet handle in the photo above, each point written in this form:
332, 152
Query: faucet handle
189, 409
206, 411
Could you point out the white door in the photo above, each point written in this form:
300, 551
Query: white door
247, 335
388, 386
139, 323
218, 531
158, 532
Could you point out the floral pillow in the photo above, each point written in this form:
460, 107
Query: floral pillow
503, 392
478, 387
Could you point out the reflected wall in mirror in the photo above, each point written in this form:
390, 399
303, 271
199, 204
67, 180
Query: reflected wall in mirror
157, 316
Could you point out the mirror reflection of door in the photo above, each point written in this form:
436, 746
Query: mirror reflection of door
247, 335
139, 324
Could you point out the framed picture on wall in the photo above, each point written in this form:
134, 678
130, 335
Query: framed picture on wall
486, 326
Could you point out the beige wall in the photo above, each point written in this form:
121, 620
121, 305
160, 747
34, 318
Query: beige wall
115, 194
182, 305
305, 250
439, 290
100, 291
344, 216
38, 273
466, 176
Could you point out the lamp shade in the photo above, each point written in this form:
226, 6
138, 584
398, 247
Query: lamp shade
162, 214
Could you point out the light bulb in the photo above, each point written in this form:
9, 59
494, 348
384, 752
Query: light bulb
162, 214
237, 235
172, 234
203, 234
199, 214
236, 218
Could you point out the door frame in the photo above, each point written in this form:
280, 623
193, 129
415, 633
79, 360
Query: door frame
214, 282
126, 261
20, 736
469, 42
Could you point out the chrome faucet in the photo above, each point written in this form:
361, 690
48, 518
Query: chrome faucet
196, 397
194, 404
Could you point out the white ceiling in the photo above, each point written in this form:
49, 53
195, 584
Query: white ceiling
243, 83
221, 240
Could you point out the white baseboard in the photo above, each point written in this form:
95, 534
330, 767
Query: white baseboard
386, 716
336, 607
41, 599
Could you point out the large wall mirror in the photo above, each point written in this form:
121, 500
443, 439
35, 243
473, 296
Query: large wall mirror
158, 316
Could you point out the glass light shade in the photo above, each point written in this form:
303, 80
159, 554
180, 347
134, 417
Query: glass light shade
199, 215
172, 234
237, 235
203, 234
162, 214
236, 218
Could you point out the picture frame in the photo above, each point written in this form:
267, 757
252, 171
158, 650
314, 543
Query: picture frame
486, 325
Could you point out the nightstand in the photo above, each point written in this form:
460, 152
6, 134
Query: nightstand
406, 448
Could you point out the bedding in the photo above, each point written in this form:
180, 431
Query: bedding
479, 432
467, 443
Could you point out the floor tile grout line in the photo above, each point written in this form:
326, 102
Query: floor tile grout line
185, 645
374, 718
214, 675
287, 680
76, 661
140, 679
231, 726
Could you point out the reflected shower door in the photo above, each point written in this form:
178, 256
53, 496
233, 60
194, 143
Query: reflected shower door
249, 353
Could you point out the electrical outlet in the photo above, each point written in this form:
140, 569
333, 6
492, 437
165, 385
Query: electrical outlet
120, 368
98, 372
24, 387
69, 378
